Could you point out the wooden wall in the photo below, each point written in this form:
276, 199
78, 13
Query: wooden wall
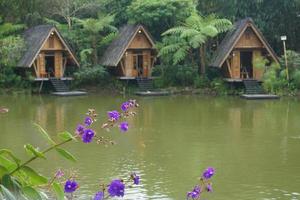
129, 58
58, 62
236, 65
140, 41
53, 43
249, 40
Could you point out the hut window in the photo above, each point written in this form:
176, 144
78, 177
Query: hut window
51, 41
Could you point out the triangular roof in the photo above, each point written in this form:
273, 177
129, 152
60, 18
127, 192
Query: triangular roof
233, 36
118, 47
35, 39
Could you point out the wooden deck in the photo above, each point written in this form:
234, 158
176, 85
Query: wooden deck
70, 93
153, 93
47, 79
259, 96
237, 80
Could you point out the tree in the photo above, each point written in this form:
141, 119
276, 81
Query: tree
159, 15
196, 31
69, 9
98, 32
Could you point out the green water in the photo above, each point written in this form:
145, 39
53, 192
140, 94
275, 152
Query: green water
254, 145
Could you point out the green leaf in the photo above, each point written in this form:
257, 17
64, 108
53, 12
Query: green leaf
7, 194
58, 190
8, 164
66, 136
64, 153
34, 151
7, 182
44, 134
35, 178
3, 171
9, 153
31, 193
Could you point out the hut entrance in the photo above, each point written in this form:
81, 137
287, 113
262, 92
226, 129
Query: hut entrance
49, 65
246, 64
138, 64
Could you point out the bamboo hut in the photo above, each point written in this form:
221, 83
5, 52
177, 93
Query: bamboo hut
47, 54
236, 54
132, 54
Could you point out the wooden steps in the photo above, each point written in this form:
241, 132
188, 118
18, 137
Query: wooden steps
59, 85
252, 87
254, 91
145, 84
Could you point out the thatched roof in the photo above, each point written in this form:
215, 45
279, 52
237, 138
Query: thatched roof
118, 47
35, 38
233, 36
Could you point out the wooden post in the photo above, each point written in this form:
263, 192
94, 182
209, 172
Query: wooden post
286, 64
229, 68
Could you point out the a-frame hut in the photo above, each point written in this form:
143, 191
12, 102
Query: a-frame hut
132, 54
237, 52
47, 54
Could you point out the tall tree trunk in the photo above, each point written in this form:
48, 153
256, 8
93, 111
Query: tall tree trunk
95, 52
69, 21
202, 60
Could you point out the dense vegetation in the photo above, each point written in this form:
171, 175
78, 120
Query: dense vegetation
186, 32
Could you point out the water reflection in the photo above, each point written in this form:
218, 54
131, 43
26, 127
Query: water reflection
171, 140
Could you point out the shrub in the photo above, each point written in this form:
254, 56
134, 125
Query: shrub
179, 75
91, 76
296, 79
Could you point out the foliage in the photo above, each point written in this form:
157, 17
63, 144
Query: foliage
159, 15
91, 76
194, 33
274, 80
179, 75
293, 60
11, 49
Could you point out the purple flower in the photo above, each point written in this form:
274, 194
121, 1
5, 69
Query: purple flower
195, 194
99, 196
88, 135
125, 106
209, 187
70, 186
123, 126
113, 115
135, 178
88, 121
116, 188
208, 173
59, 174
80, 129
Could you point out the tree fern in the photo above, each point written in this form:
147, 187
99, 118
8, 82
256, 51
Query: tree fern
194, 32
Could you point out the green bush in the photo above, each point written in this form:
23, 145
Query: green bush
91, 76
296, 79
201, 82
179, 75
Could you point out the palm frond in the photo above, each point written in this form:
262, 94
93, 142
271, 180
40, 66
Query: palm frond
197, 40
175, 30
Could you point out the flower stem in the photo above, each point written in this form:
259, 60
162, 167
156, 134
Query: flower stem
35, 157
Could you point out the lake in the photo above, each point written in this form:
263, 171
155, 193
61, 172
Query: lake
254, 145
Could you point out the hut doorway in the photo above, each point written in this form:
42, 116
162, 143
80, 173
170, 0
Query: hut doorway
50, 65
246, 64
138, 64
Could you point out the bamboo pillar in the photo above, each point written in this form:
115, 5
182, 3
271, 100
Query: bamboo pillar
58, 64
